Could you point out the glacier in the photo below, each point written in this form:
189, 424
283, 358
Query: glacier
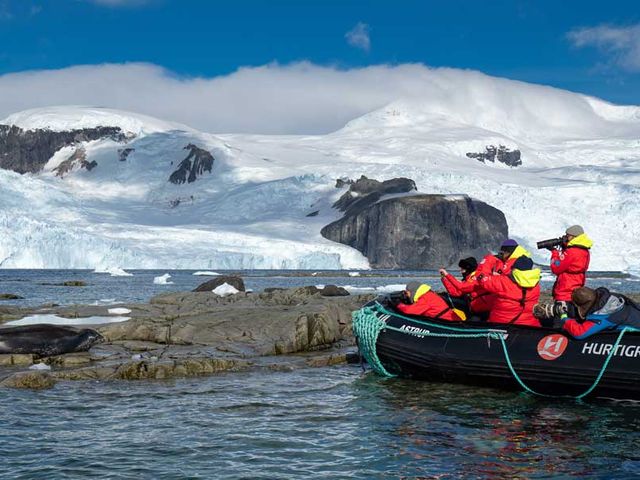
580, 165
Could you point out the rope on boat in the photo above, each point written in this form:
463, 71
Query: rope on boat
367, 327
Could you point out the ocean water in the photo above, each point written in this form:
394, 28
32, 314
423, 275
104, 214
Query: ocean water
42, 286
329, 423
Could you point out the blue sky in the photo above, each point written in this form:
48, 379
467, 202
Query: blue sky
586, 46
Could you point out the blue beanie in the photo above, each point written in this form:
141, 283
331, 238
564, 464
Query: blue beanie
523, 263
509, 242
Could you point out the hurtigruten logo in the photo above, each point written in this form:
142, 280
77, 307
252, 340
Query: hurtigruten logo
592, 348
552, 346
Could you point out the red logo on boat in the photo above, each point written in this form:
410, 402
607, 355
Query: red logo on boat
552, 346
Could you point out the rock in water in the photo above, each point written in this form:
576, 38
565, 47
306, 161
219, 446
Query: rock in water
420, 231
10, 296
333, 291
211, 285
47, 340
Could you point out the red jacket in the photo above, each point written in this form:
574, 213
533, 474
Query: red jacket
458, 288
429, 305
493, 265
570, 265
481, 301
509, 305
490, 265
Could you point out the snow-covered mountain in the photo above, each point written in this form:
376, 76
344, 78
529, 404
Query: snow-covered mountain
109, 202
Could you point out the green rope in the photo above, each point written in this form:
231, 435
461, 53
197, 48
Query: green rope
578, 397
367, 327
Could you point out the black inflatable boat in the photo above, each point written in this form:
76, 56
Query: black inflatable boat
538, 360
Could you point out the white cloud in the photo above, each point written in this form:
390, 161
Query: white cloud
359, 37
622, 44
298, 98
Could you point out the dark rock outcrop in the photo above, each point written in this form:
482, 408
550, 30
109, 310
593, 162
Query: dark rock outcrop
365, 192
197, 162
10, 296
420, 231
123, 153
210, 285
27, 151
333, 291
77, 159
501, 154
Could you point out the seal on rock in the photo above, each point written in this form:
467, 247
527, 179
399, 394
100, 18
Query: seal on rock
46, 340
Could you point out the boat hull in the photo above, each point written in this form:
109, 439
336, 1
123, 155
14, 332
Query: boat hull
542, 360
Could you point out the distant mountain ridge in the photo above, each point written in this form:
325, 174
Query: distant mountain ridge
257, 201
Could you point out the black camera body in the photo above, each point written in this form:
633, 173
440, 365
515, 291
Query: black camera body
552, 242
397, 297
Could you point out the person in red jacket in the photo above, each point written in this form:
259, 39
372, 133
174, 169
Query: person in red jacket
424, 302
477, 303
570, 263
502, 263
515, 294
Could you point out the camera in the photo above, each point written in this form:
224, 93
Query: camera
552, 242
397, 297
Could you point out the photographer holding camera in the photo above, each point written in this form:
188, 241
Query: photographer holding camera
419, 299
570, 257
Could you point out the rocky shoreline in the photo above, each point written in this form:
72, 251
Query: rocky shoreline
187, 334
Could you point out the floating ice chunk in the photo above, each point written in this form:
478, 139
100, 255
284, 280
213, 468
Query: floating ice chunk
206, 274
39, 366
163, 280
119, 311
113, 271
395, 287
56, 320
354, 274
357, 290
225, 289
320, 286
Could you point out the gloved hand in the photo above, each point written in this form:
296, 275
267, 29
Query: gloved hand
443, 272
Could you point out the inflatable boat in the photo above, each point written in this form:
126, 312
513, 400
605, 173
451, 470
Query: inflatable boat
541, 361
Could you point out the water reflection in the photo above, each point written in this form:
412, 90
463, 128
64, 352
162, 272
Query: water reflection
452, 431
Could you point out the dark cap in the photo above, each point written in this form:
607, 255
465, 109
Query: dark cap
509, 242
469, 264
583, 298
523, 263
413, 287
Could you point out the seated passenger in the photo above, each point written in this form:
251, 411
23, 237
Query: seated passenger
599, 310
421, 300
476, 302
502, 262
515, 294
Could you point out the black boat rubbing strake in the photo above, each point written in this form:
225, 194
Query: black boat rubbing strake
538, 360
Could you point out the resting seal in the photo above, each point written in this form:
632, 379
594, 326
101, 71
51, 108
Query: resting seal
46, 340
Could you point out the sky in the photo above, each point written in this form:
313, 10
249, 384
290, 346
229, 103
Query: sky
161, 56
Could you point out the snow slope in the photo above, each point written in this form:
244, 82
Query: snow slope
580, 165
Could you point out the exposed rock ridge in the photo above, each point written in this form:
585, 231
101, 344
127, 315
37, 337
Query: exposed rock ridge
77, 159
420, 231
197, 162
365, 192
501, 154
27, 151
